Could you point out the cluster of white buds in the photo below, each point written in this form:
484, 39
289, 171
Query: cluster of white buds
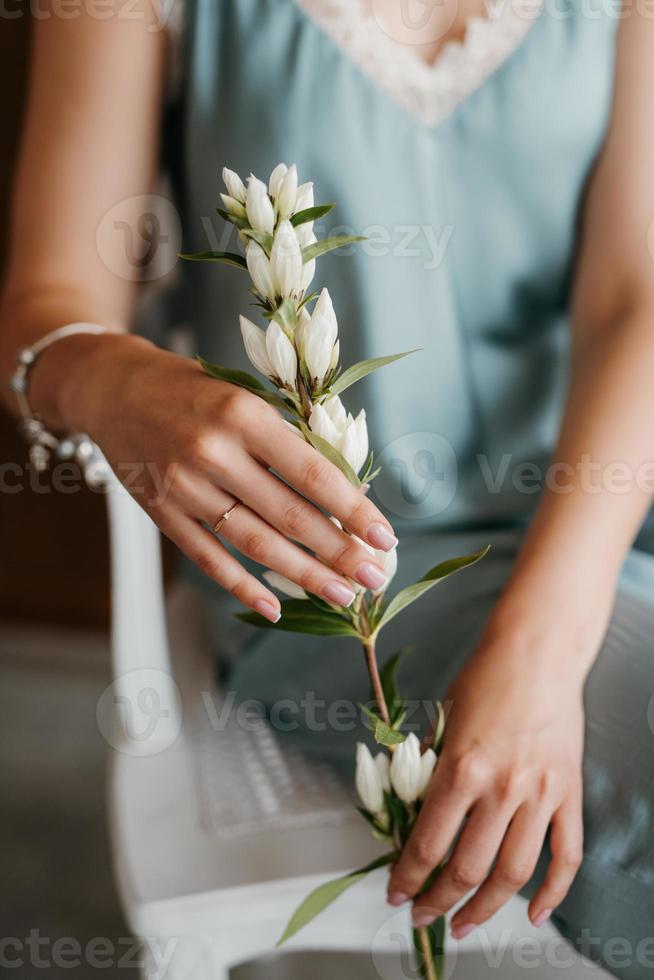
407, 774
267, 210
304, 346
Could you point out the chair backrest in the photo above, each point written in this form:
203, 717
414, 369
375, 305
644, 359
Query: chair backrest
145, 695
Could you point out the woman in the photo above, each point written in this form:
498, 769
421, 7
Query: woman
467, 148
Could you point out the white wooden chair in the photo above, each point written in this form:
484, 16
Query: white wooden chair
219, 831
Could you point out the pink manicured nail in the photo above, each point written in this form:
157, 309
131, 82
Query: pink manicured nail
380, 537
337, 593
423, 919
397, 898
266, 609
370, 576
460, 932
542, 917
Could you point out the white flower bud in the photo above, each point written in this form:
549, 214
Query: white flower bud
305, 234
232, 206
258, 206
283, 584
336, 411
286, 261
354, 441
281, 352
368, 781
318, 347
303, 321
336, 350
308, 272
259, 269
276, 178
324, 308
304, 197
322, 425
254, 339
287, 193
234, 184
405, 769
348, 435
427, 764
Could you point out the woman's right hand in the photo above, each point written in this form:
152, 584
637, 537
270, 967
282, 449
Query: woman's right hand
188, 447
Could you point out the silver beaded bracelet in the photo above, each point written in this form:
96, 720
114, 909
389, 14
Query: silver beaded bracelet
43, 444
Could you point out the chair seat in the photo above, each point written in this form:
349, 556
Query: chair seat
220, 835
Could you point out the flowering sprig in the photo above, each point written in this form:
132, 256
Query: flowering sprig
298, 354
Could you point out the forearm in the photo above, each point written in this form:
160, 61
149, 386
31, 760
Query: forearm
598, 490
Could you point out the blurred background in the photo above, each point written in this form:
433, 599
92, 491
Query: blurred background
54, 663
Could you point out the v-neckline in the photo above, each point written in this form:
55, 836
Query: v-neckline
430, 91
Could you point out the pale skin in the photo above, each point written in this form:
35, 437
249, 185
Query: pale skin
511, 762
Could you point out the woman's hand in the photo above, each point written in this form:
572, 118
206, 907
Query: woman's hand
509, 769
207, 444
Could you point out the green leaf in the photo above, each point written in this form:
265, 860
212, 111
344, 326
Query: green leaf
307, 299
397, 811
389, 683
360, 370
227, 258
323, 896
434, 935
386, 735
328, 245
311, 214
433, 576
382, 733
261, 237
233, 219
302, 616
243, 380
333, 455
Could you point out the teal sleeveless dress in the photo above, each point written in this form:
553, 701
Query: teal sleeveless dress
472, 224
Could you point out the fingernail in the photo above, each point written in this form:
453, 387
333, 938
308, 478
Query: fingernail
460, 932
337, 593
370, 576
397, 898
266, 609
423, 919
380, 537
542, 917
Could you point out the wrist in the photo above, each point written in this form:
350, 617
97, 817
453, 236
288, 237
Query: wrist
550, 626
67, 384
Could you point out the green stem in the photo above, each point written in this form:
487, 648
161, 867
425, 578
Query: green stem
375, 679
430, 970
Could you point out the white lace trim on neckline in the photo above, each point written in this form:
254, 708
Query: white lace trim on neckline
429, 92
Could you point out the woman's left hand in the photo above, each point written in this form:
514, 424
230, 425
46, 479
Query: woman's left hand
510, 768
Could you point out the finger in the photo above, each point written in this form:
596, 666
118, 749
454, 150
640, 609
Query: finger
321, 481
516, 861
567, 846
298, 519
255, 538
449, 798
470, 862
215, 561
